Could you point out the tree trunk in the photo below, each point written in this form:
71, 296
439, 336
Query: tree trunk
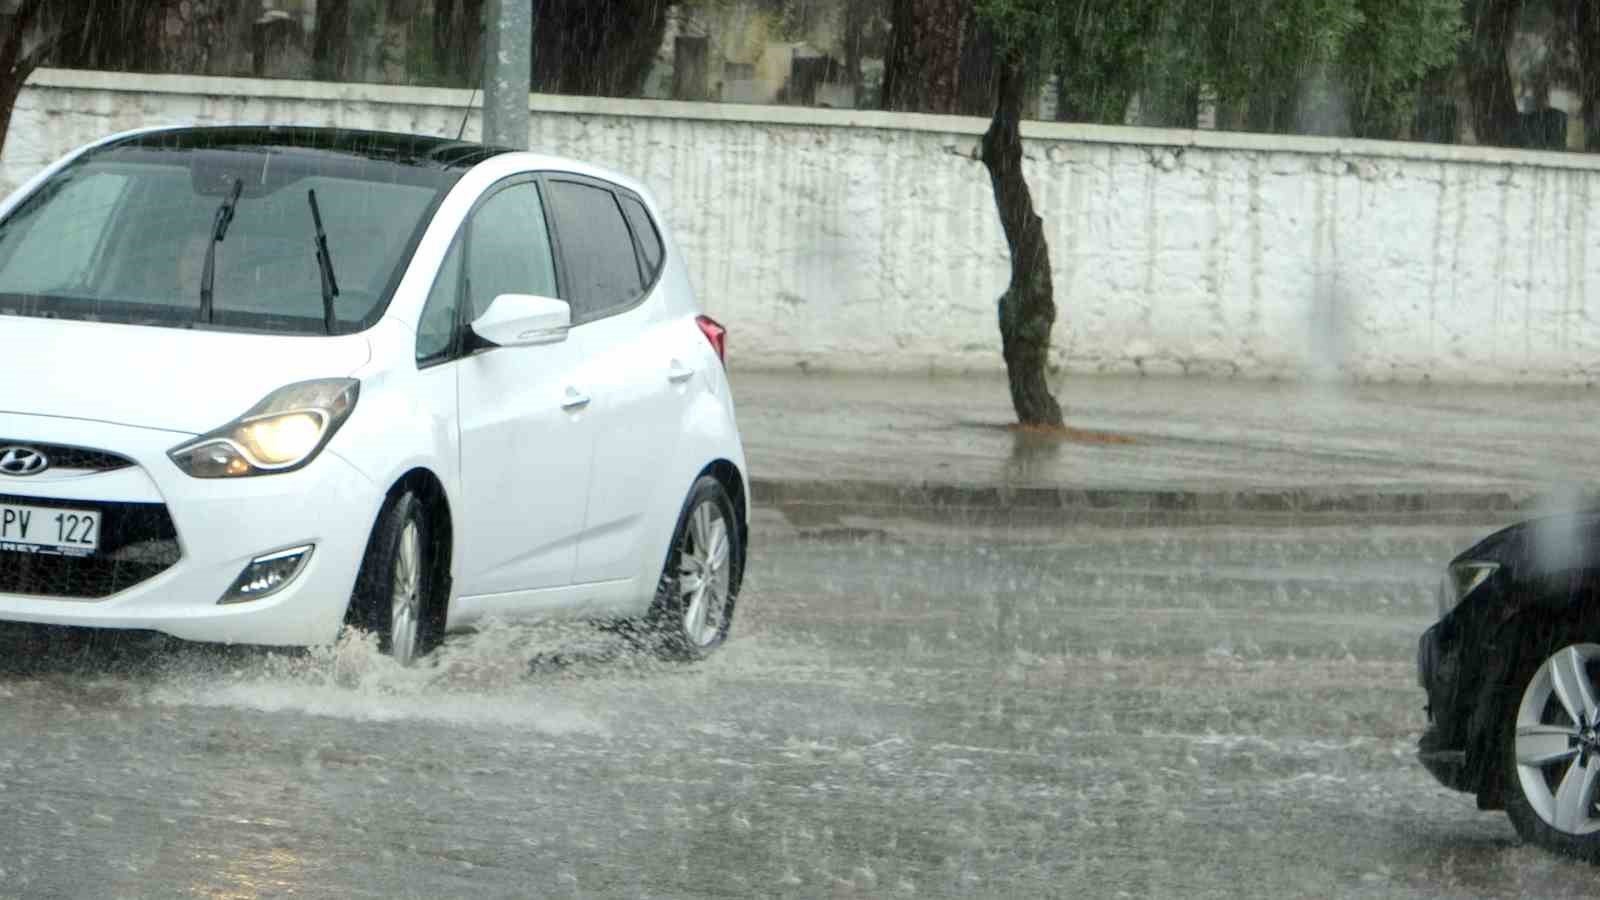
398, 34
15, 65
1488, 68
855, 22
598, 49
923, 69
105, 35
11, 82
458, 41
1028, 308
1272, 110
1586, 37
1436, 120
330, 52
975, 92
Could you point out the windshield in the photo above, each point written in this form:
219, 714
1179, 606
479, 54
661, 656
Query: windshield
123, 236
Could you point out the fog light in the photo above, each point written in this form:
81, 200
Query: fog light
267, 575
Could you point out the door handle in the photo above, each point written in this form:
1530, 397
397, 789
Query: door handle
679, 373
574, 400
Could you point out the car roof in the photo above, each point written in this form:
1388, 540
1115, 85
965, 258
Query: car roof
446, 154
378, 146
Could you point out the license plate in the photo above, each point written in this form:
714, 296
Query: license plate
38, 529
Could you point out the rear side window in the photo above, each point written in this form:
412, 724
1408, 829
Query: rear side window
602, 269
644, 230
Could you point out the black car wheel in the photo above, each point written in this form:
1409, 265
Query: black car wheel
1552, 752
700, 582
394, 594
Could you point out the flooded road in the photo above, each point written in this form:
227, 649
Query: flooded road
903, 710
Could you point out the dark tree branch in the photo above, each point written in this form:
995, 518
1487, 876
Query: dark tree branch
1585, 24
458, 40
1495, 119
601, 49
330, 50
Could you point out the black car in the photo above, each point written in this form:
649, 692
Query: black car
1511, 673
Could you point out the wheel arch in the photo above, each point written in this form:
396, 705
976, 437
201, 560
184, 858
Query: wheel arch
1541, 614
441, 527
733, 481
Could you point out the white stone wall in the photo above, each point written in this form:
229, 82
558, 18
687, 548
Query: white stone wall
858, 240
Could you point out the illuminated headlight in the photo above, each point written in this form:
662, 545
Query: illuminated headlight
267, 575
280, 434
1462, 579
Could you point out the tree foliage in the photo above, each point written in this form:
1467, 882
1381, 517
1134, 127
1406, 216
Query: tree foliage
1254, 59
1389, 54
1101, 56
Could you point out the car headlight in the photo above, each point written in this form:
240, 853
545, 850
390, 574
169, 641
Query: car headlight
280, 434
1461, 579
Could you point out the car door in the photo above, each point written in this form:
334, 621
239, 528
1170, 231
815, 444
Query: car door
639, 396
527, 436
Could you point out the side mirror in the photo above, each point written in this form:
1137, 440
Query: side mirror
523, 320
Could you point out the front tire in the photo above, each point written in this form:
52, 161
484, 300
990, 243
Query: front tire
1552, 753
699, 584
394, 596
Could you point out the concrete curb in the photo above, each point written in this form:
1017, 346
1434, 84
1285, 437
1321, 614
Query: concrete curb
1151, 506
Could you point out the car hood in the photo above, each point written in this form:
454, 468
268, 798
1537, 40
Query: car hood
174, 379
1548, 543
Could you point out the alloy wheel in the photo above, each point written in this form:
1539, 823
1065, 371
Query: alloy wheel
406, 596
1557, 741
704, 575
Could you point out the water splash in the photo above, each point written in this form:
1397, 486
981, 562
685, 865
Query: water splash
500, 675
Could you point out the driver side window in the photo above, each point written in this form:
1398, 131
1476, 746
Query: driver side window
508, 249
504, 249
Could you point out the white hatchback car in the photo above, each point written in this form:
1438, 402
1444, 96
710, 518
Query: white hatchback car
262, 383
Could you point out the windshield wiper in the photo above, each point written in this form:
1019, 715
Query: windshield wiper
330, 285
219, 230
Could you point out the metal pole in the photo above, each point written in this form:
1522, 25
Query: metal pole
507, 73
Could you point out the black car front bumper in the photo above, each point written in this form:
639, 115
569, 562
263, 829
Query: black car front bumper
1442, 747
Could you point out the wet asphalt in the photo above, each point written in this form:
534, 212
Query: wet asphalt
905, 709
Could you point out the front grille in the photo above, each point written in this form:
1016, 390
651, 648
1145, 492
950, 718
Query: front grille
137, 542
62, 456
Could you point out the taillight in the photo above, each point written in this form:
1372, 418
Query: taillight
716, 334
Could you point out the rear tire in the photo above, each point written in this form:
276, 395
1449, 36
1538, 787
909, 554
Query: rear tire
1551, 751
395, 592
699, 584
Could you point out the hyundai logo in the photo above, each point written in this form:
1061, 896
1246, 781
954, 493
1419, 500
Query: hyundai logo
20, 461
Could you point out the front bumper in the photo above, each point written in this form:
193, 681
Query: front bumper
1440, 749
219, 525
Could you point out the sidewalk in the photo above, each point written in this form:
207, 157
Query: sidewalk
1209, 447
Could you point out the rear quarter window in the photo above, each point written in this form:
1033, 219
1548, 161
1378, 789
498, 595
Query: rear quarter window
649, 238
602, 268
